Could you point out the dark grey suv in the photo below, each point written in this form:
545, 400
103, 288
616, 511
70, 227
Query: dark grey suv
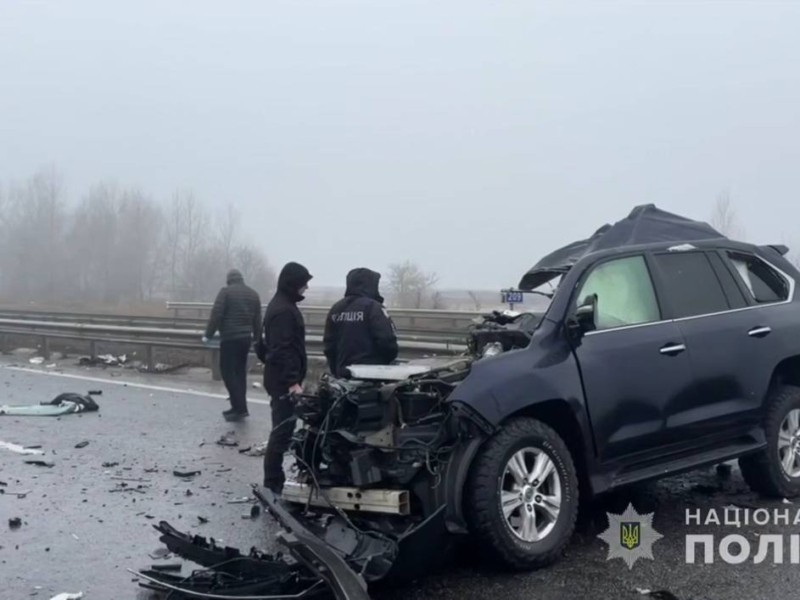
664, 347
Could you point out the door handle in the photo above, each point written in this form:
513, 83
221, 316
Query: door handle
673, 349
759, 332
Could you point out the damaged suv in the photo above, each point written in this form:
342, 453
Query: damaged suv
665, 347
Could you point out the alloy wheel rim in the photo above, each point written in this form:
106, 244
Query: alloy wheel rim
530, 494
789, 443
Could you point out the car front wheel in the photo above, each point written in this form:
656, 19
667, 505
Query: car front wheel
775, 471
523, 495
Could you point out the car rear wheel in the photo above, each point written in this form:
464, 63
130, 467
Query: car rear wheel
775, 471
523, 495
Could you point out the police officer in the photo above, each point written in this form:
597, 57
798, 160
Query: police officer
358, 329
282, 349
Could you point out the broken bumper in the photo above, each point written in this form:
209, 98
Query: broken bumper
334, 557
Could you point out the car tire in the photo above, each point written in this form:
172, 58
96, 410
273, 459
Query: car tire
769, 472
495, 479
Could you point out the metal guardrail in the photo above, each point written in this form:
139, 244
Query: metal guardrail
405, 319
434, 331
150, 337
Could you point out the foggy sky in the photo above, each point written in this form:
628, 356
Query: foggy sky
471, 137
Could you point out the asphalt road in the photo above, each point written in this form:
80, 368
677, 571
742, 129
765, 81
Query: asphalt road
78, 535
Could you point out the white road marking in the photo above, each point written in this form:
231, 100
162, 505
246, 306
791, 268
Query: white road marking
19, 449
130, 384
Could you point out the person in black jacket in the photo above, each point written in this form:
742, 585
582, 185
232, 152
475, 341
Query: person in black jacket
358, 329
282, 349
237, 317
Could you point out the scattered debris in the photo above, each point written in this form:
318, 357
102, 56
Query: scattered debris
63, 404
162, 368
258, 450
36, 360
203, 520
257, 385
787, 501
19, 495
15, 523
77, 539
104, 360
160, 554
185, 474
176, 566
66, 596
255, 511
228, 439
189, 493
41, 463
19, 449
82, 444
245, 500
225, 470
658, 594
108, 465
133, 479
3, 484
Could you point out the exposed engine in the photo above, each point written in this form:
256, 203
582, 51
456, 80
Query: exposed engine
373, 430
389, 427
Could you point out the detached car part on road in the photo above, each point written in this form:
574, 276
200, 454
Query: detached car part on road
665, 347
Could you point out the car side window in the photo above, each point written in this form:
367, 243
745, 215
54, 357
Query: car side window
625, 293
764, 283
691, 286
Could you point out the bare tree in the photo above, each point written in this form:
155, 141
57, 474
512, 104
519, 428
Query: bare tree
724, 219
475, 300
228, 226
411, 287
34, 217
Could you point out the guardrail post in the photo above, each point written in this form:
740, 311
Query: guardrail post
150, 358
93, 349
45, 347
216, 373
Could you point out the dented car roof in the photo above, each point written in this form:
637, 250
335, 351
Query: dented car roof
646, 224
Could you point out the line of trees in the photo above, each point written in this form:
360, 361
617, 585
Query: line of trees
117, 245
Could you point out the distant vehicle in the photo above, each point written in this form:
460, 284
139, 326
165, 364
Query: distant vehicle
666, 347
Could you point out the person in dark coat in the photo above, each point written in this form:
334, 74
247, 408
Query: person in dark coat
358, 330
237, 316
282, 349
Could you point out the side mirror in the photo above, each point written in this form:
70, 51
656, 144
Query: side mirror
583, 320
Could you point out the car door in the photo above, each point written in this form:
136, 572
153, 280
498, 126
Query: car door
724, 342
633, 364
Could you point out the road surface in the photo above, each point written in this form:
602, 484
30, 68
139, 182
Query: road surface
78, 535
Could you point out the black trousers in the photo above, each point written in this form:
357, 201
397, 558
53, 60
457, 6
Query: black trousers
283, 422
233, 365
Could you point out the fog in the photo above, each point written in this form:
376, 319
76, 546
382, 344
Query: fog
467, 137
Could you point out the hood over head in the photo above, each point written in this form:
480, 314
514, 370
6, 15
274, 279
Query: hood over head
364, 282
293, 276
234, 276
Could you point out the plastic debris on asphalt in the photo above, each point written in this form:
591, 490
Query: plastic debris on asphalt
67, 596
19, 449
